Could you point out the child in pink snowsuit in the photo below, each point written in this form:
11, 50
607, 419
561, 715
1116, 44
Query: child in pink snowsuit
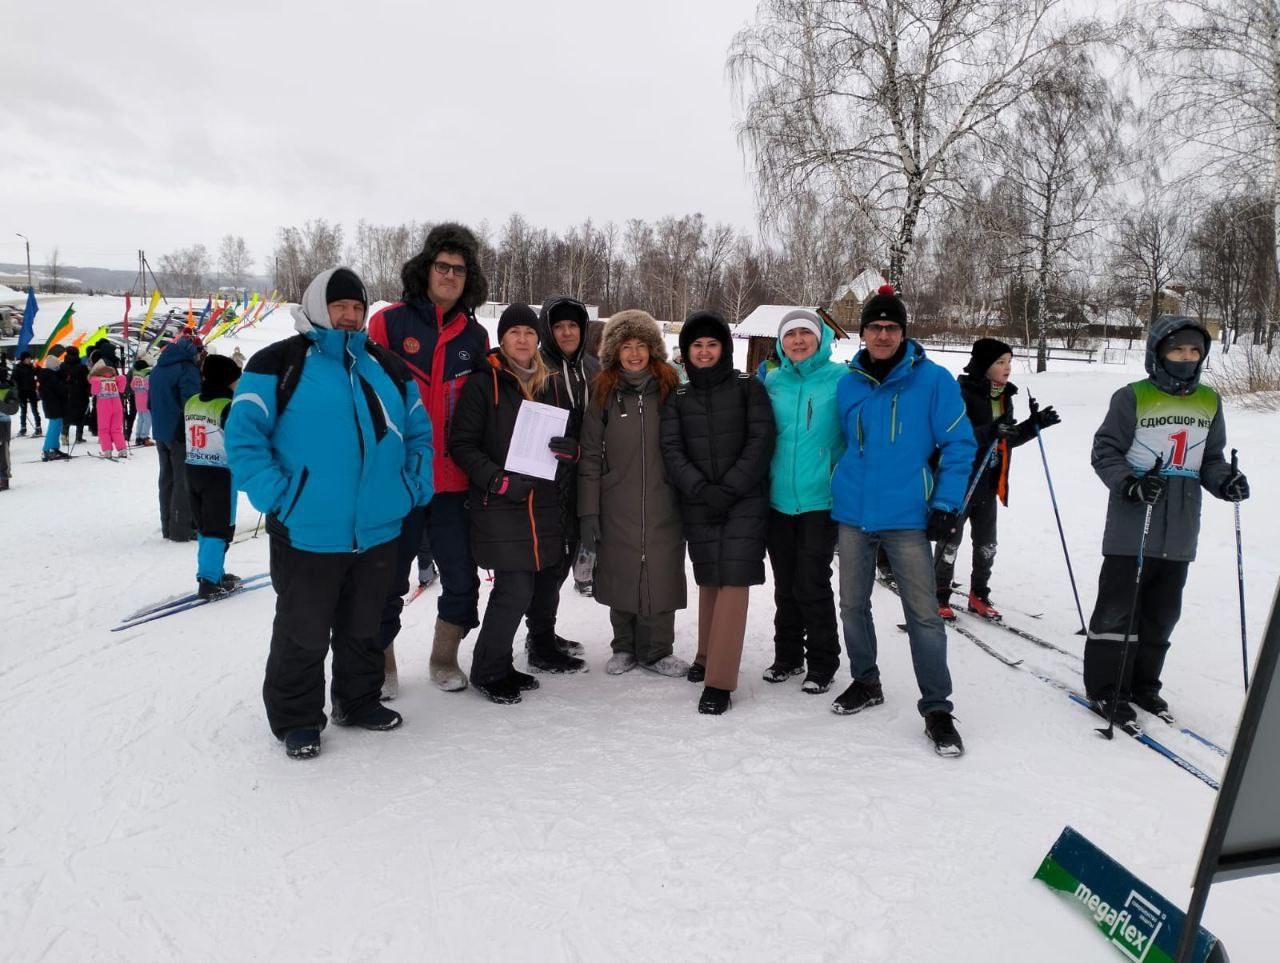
107, 386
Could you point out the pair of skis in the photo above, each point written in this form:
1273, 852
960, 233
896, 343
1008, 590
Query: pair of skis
184, 603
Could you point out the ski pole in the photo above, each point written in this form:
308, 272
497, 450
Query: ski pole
1244, 638
1057, 516
1109, 731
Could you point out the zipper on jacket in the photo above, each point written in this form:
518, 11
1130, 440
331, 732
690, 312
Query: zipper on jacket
893, 420
644, 494
795, 447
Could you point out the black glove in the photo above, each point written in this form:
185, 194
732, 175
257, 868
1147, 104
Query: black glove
1235, 488
1005, 427
719, 498
589, 531
1044, 417
515, 487
566, 449
1145, 490
941, 524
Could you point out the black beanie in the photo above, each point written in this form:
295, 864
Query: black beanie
516, 315
986, 351
705, 324
884, 305
344, 285
218, 373
1183, 337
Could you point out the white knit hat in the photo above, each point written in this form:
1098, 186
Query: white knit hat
800, 318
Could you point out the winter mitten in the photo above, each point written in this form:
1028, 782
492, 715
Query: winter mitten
1235, 488
1146, 490
942, 524
515, 487
565, 449
589, 531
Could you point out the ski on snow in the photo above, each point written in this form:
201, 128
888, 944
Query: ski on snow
183, 599
994, 653
185, 606
1021, 633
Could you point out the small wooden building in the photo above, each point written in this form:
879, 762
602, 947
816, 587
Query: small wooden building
846, 306
760, 328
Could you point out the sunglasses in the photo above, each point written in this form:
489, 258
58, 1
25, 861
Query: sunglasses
444, 270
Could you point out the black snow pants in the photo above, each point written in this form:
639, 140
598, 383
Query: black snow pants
981, 520
801, 548
175, 504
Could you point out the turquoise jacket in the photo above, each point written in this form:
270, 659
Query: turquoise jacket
884, 481
810, 441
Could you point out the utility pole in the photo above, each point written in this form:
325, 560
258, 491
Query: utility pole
25, 238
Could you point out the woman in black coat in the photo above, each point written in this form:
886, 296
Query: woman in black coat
76, 374
717, 440
517, 527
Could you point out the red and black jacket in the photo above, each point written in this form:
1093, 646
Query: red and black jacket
442, 353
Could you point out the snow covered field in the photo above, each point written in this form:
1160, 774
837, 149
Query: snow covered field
147, 812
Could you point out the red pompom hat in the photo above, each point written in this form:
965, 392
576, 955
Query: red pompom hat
884, 305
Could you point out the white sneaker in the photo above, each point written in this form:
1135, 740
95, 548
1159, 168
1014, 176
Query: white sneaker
620, 662
668, 665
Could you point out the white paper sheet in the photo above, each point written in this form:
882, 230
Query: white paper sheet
536, 424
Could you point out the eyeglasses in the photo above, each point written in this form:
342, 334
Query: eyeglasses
444, 269
886, 329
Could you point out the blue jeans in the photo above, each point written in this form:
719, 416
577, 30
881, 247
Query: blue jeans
912, 560
52, 433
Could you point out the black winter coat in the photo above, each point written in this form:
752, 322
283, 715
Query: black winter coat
76, 374
25, 379
719, 429
53, 392
976, 392
506, 535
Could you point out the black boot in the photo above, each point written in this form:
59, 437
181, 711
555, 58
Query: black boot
817, 682
781, 672
544, 656
210, 591
302, 743
940, 727
697, 672
714, 702
524, 681
376, 718
569, 647
504, 691
859, 696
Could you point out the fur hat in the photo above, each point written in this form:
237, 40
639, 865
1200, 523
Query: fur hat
626, 325
884, 305
454, 239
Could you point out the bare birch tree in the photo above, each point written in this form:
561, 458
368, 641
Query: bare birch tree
234, 260
1151, 249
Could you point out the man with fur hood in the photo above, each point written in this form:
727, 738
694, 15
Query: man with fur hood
1168, 416
434, 331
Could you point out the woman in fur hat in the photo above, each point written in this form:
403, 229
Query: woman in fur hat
717, 438
629, 513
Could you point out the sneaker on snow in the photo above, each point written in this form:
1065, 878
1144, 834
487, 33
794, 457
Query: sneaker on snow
621, 662
946, 612
816, 683
427, 577
210, 590
1151, 702
22, 433
524, 680
859, 696
697, 672
302, 743
714, 702
569, 647
940, 727
778, 672
377, 718
545, 657
981, 605
504, 691
668, 665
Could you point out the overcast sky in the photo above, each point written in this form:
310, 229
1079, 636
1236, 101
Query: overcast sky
162, 123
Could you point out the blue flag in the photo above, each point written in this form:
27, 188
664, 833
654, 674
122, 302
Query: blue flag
28, 322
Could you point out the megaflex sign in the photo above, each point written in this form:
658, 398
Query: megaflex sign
1132, 928
1141, 924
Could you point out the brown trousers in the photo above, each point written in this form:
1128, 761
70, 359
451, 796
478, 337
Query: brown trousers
722, 623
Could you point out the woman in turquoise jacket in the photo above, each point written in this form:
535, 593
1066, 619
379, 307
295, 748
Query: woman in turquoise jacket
802, 537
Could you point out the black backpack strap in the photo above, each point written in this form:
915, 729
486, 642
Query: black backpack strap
393, 365
292, 358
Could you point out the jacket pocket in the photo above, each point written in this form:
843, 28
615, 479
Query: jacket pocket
297, 494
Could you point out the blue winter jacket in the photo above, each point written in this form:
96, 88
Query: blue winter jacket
809, 438
350, 456
883, 481
174, 379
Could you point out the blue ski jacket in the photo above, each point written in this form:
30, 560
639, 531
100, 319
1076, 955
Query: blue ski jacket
174, 380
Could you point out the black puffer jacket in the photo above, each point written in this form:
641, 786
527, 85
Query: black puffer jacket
53, 390
506, 535
76, 376
719, 429
976, 392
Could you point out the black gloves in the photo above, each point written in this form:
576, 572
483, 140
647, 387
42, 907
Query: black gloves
515, 487
1005, 428
719, 498
1044, 417
1145, 490
941, 525
1235, 488
589, 531
565, 449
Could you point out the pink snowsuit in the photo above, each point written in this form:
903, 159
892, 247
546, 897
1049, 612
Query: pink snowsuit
107, 386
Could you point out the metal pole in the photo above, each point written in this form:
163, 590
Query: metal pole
1244, 636
28, 241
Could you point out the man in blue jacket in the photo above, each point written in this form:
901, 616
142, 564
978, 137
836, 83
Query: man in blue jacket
329, 438
174, 381
896, 409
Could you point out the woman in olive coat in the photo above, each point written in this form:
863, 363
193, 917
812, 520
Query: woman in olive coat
629, 513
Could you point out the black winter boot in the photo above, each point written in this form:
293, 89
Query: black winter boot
526, 682
697, 672
940, 727
714, 702
376, 718
302, 743
545, 656
505, 691
859, 696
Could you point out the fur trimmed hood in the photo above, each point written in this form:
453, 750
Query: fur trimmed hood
447, 237
626, 325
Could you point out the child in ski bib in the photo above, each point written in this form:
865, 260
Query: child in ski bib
213, 498
141, 387
1172, 417
107, 386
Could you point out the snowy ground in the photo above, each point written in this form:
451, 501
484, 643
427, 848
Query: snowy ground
147, 813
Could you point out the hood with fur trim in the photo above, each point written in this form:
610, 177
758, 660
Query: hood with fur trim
624, 326
313, 312
415, 275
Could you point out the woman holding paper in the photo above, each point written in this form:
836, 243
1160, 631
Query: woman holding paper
516, 517
717, 440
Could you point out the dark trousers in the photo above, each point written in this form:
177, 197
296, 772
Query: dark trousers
541, 619
509, 601
33, 402
406, 548
647, 637
1159, 606
424, 551
804, 622
175, 505
323, 599
982, 533
212, 498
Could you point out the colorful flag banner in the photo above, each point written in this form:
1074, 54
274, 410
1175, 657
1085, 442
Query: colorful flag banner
151, 309
95, 337
60, 331
28, 322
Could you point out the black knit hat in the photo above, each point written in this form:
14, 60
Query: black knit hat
884, 305
1184, 337
705, 324
986, 351
218, 373
515, 315
344, 285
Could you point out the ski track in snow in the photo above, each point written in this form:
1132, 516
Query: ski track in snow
149, 814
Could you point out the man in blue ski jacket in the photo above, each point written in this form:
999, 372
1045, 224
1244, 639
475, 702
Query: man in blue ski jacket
897, 409
329, 438
174, 381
